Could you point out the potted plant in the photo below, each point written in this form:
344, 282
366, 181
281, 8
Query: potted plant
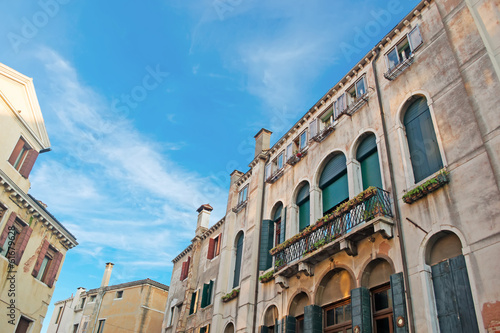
231, 295
266, 277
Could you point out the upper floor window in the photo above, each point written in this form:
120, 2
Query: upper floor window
367, 156
92, 298
194, 302
119, 294
185, 269
47, 264
14, 239
302, 140
205, 329
422, 142
237, 262
279, 231
356, 91
303, 204
333, 183
404, 50
206, 297
243, 195
23, 158
100, 328
214, 247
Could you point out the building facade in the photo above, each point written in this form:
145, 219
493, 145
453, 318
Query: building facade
135, 306
378, 211
33, 242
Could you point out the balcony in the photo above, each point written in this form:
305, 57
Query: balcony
359, 218
275, 176
295, 158
395, 71
324, 133
240, 206
357, 103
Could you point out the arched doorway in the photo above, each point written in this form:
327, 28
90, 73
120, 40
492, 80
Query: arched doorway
300, 301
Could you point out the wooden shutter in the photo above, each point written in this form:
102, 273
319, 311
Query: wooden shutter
303, 194
210, 292
41, 255
304, 215
218, 245
211, 247
283, 227
21, 243
28, 163
5, 232
204, 295
313, 318
398, 302
290, 324
188, 262
422, 142
17, 149
313, 126
193, 302
266, 244
454, 303
237, 264
335, 193
361, 309
54, 268
289, 151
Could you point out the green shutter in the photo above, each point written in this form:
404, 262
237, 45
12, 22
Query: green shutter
422, 141
398, 301
313, 319
204, 295
237, 264
333, 169
366, 147
361, 309
277, 213
370, 171
210, 291
283, 227
266, 244
335, 193
264, 329
304, 215
193, 300
289, 324
303, 194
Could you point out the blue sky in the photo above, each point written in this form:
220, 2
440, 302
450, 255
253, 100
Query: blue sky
149, 108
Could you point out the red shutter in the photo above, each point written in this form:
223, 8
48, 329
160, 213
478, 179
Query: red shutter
219, 243
211, 247
16, 151
21, 243
54, 268
28, 163
5, 231
183, 270
41, 255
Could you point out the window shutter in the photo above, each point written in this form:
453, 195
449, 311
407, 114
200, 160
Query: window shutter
210, 291
303, 194
361, 309
314, 127
54, 268
335, 193
193, 302
304, 215
283, 227
237, 264
264, 329
211, 247
16, 151
21, 243
313, 319
366, 147
415, 38
28, 163
204, 295
182, 271
277, 213
187, 267
5, 231
208, 328
289, 151
219, 244
398, 301
290, 324
266, 243
333, 169
41, 255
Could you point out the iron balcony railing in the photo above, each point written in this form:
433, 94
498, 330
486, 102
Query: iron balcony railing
328, 231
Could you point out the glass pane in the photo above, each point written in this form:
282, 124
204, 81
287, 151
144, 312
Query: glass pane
415, 38
360, 87
289, 151
330, 317
382, 325
339, 314
280, 161
392, 58
303, 140
404, 50
382, 300
300, 325
42, 268
347, 312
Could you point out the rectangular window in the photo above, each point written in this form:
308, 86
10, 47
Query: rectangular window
340, 106
45, 268
338, 315
313, 127
9, 244
92, 299
194, 302
75, 328
242, 196
23, 157
59, 314
206, 298
303, 140
214, 247
100, 329
83, 302
326, 118
280, 161
404, 49
119, 294
289, 151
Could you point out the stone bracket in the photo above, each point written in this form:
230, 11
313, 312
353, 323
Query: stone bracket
281, 281
349, 247
306, 268
384, 228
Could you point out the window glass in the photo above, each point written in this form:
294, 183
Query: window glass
392, 58
404, 50
42, 268
289, 152
303, 140
280, 161
415, 38
360, 87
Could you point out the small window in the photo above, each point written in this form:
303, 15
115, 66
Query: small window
205, 329
59, 314
303, 140
194, 303
92, 299
289, 151
100, 329
404, 49
23, 157
356, 92
339, 315
119, 294
326, 118
243, 195
206, 297
75, 328
268, 171
82, 303
214, 247
9, 245
340, 106
46, 263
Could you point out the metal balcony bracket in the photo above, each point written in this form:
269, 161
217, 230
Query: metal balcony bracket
306, 268
281, 281
349, 247
384, 226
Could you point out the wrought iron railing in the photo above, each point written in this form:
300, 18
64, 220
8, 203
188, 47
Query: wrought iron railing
324, 232
395, 71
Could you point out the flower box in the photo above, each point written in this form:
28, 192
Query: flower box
429, 186
232, 295
266, 277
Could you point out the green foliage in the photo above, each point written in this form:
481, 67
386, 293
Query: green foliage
266, 277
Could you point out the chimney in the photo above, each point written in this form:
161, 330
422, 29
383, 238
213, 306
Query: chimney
203, 218
262, 141
107, 274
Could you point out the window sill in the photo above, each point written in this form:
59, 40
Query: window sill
208, 307
393, 73
277, 175
426, 186
240, 206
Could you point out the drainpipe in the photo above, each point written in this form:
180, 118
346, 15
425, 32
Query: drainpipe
258, 253
394, 198
99, 308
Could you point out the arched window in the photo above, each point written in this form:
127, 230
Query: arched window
367, 156
229, 328
279, 227
237, 263
303, 204
300, 301
270, 318
333, 183
422, 142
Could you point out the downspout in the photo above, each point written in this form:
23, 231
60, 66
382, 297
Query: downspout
399, 234
99, 308
258, 254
